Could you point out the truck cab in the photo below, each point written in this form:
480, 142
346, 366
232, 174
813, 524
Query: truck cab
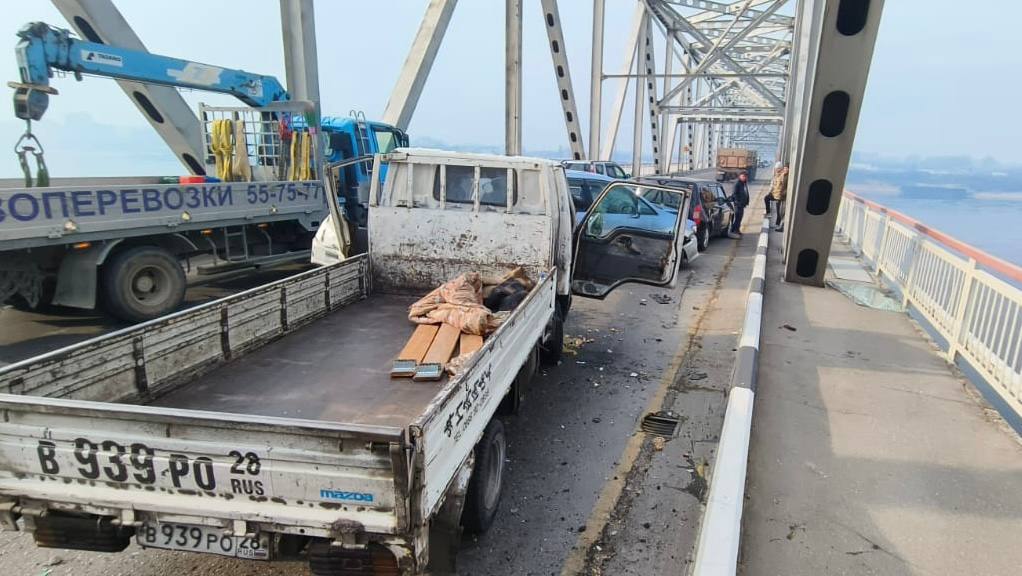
348, 138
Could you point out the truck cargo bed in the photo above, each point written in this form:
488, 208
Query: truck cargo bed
337, 369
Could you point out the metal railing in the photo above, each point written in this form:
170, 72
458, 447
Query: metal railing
972, 300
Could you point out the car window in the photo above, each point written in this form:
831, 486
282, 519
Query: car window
620, 200
578, 195
709, 196
614, 171
645, 209
670, 200
595, 188
492, 186
721, 195
652, 195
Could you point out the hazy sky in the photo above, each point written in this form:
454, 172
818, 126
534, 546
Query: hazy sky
937, 67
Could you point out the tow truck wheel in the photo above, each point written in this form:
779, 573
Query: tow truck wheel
487, 481
142, 283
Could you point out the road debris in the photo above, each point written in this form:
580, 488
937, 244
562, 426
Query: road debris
661, 298
572, 344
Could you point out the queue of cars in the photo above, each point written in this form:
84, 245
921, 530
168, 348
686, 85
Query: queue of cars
711, 213
710, 209
628, 210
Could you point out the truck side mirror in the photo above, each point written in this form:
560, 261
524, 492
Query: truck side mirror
613, 247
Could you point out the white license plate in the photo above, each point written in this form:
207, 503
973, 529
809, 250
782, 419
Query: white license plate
206, 539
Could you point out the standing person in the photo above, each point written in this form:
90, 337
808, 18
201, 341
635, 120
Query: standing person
767, 199
779, 192
740, 198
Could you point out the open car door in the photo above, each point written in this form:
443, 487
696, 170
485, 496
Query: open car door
625, 238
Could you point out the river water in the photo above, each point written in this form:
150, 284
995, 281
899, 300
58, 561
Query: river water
981, 209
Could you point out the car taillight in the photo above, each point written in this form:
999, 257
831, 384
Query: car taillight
697, 214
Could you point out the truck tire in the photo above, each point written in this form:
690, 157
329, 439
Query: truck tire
564, 305
512, 403
142, 283
487, 482
550, 351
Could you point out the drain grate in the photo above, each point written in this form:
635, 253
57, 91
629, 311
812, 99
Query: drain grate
661, 424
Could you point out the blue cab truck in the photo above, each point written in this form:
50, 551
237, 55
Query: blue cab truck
124, 245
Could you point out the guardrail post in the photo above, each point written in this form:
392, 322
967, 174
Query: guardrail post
879, 260
961, 312
913, 257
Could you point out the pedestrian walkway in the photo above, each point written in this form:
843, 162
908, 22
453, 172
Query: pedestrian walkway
869, 454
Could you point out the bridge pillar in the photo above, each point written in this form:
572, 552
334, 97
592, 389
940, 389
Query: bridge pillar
513, 77
834, 50
301, 65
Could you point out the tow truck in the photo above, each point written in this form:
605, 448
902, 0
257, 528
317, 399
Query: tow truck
86, 243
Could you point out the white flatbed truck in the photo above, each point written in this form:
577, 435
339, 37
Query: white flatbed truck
265, 425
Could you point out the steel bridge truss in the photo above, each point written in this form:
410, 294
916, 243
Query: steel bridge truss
723, 78
785, 77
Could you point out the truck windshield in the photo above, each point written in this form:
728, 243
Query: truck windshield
386, 141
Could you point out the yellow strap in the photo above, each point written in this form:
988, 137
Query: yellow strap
295, 137
307, 157
241, 168
222, 143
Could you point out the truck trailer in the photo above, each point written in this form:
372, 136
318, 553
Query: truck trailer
733, 161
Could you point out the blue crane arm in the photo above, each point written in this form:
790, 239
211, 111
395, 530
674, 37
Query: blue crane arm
43, 48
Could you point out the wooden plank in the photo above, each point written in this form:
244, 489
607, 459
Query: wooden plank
469, 343
440, 351
413, 352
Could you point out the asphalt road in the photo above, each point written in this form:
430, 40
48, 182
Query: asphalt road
586, 491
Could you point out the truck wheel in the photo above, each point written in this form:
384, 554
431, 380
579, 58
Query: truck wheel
550, 351
564, 305
142, 283
484, 488
512, 403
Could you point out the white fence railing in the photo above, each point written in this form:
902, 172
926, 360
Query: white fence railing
973, 300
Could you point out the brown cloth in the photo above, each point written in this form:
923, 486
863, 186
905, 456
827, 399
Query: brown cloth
458, 302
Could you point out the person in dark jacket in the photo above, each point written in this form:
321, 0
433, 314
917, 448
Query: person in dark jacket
740, 199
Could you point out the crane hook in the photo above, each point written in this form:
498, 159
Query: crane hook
29, 144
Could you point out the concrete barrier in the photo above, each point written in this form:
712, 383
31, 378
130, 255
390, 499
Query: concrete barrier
720, 533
